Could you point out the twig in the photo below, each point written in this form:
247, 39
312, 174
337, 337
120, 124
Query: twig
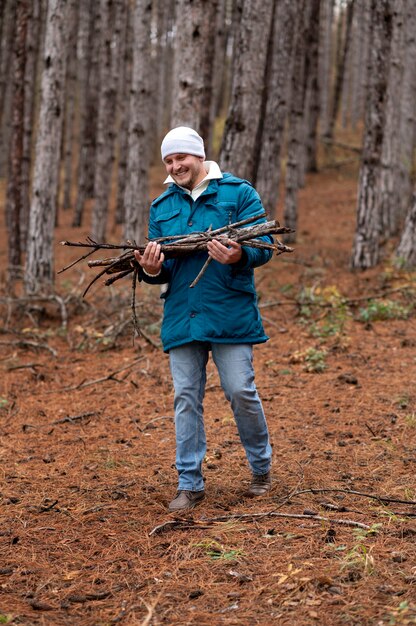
29, 344
73, 418
190, 523
381, 499
156, 419
11, 368
110, 376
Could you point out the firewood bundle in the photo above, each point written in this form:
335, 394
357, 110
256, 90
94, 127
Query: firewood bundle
179, 245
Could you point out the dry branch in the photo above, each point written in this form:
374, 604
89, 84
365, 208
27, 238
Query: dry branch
209, 521
177, 246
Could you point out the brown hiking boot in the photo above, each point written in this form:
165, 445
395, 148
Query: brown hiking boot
260, 485
186, 500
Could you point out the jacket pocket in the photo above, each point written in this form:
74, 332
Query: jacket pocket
241, 281
168, 222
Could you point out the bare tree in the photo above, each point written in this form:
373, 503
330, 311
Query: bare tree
359, 56
340, 69
193, 64
6, 52
389, 186
311, 113
406, 250
88, 52
14, 198
39, 262
365, 252
407, 131
70, 91
296, 120
325, 64
33, 40
238, 150
112, 12
268, 164
136, 198
123, 92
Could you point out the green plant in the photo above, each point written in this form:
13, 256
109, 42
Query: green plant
315, 360
402, 615
323, 311
377, 310
216, 551
3, 402
5, 619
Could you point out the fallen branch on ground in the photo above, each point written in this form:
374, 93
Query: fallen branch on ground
183, 524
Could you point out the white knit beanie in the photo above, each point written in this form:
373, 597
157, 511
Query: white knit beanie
182, 140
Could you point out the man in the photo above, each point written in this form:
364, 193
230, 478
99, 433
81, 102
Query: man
218, 315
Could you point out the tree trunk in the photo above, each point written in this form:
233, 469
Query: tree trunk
406, 251
39, 262
407, 132
165, 53
112, 17
360, 34
31, 79
312, 91
325, 61
389, 190
70, 90
340, 70
126, 59
89, 31
136, 198
14, 198
239, 150
296, 122
268, 170
6, 52
193, 64
365, 252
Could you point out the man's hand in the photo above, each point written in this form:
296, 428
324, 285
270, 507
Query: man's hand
151, 260
226, 255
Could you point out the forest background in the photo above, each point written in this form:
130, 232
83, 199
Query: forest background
313, 102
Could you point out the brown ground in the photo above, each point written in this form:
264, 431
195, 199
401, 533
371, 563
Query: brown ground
87, 466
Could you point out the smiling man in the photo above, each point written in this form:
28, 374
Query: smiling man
219, 316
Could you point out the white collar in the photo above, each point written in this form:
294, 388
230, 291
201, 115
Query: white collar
213, 173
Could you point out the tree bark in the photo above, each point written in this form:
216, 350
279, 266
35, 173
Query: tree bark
406, 250
407, 132
33, 40
136, 197
365, 252
126, 60
89, 31
296, 122
70, 91
340, 70
193, 64
389, 189
6, 52
39, 262
238, 150
325, 62
269, 169
312, 91
14, 198
112, 16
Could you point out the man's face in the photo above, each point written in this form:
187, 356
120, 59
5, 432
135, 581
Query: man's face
186, 170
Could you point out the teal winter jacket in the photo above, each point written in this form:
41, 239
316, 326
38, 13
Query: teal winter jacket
222, 307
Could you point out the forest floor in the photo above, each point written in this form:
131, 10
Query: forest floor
87, 449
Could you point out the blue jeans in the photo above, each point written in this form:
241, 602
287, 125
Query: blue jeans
234, 363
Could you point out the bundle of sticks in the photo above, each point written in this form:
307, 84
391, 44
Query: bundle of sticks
179, 245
